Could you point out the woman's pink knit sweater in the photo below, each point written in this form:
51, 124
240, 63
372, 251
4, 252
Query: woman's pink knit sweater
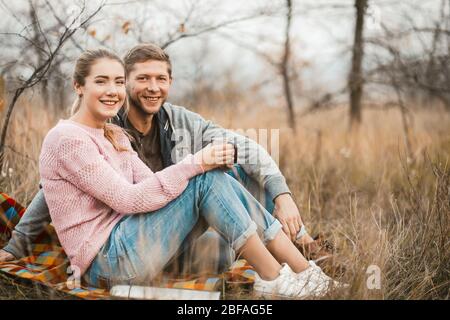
89, 186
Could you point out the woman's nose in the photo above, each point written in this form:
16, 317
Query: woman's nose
111, 91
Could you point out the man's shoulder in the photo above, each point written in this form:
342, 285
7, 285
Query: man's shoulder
177, 112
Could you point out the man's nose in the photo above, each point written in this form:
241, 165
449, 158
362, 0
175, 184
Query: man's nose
153, 85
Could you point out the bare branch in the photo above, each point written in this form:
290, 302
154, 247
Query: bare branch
40, 71
178, 36
37, 25
34, 44
245, 45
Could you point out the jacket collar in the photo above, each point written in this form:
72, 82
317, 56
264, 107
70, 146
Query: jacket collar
164, 117
165, 131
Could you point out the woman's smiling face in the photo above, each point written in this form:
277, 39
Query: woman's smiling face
103, 92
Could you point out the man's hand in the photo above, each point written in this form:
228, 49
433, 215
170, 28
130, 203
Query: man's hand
6, 256
287, 213
215, 155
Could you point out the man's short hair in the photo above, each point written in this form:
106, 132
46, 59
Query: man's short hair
145, 52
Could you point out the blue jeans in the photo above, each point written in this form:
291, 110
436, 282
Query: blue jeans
141, 245
204, 249
252, 186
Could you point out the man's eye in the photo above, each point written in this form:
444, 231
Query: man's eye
121, 82
100, 81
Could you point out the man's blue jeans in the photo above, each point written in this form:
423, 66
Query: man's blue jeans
140, 246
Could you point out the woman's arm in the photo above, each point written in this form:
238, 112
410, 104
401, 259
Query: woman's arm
80, 162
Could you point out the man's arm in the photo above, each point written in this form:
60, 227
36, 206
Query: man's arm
252, 157
31, 225
258, 164
192, 133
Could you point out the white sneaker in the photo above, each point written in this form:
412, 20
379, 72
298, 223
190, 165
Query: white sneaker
288, 284
322, 279
314, 282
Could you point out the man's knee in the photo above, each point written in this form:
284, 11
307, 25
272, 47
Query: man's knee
237, 172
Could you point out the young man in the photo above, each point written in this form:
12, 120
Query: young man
163, 133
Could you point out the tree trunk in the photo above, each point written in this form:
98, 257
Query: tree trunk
2, 93
356, 80
284, 68
9, 111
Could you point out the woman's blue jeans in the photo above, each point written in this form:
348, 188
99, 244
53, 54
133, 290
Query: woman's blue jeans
204, 250
141, 245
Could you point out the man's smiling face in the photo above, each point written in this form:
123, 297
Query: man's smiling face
148, 85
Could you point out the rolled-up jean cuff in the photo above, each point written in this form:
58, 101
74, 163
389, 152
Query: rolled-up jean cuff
10, 249
17, 245
272, 231
242, 239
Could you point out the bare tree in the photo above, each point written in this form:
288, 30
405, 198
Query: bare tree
281, 63
2, 92
50, 51
284, 67
421, 74
356, 79
39, 40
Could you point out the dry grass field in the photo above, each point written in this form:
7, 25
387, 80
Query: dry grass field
385, 211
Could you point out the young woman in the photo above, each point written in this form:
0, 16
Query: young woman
121, 223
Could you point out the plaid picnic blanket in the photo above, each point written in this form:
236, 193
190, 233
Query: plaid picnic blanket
48, 263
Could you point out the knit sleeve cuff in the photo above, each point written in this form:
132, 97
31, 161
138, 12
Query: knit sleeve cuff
189, 167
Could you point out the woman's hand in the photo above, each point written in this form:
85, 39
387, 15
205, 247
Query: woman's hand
215, 155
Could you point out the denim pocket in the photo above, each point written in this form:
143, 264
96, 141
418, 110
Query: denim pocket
97, 281
97, 275
122, 260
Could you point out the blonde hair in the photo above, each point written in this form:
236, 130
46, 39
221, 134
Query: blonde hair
82, 70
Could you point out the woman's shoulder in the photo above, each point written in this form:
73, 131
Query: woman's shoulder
68, 132
63, 131
69, 129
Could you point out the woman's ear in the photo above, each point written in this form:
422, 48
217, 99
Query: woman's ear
77, 88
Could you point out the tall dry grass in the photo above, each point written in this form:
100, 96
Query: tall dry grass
384, 210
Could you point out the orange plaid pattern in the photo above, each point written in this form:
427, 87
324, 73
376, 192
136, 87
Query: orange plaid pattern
49, 264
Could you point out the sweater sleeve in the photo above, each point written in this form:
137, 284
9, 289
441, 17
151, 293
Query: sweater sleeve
140, 169
81, 163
